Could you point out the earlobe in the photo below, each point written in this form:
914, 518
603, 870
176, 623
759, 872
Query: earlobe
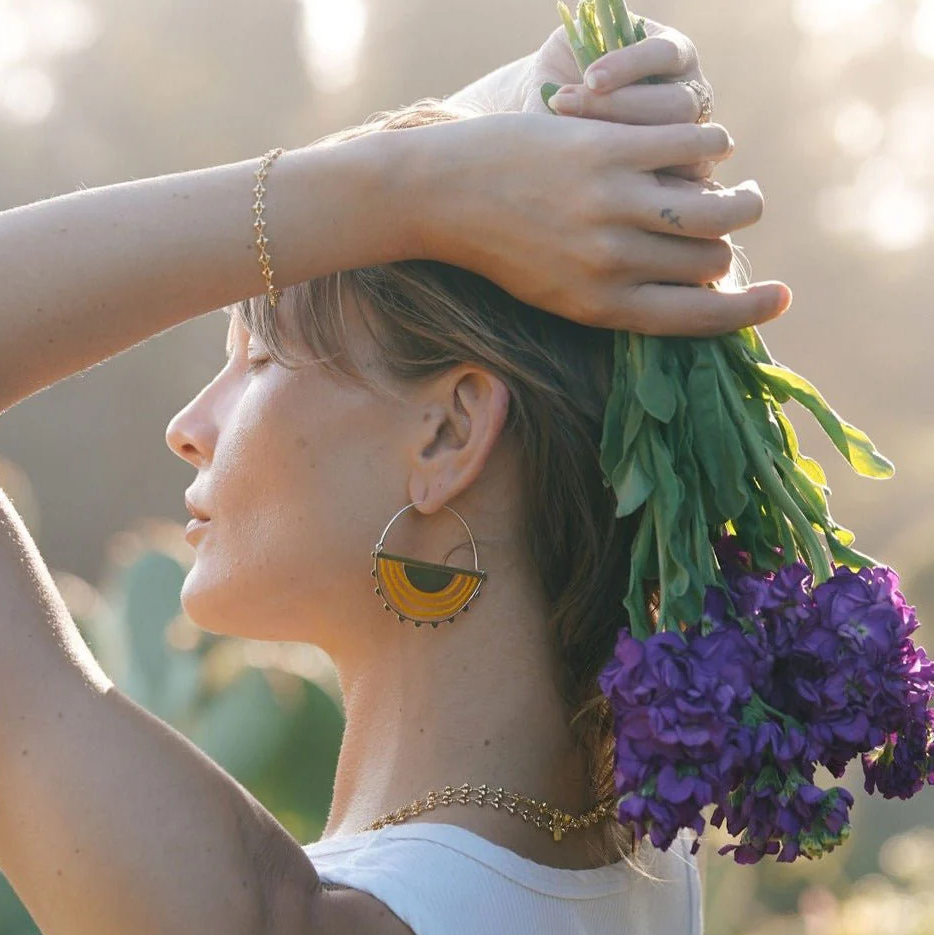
469, 422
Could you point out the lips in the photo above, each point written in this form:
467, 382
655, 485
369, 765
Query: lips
195, 511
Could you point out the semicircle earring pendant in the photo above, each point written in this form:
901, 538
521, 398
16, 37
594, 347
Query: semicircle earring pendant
424, 592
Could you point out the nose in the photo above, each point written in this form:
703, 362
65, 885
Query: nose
192, 432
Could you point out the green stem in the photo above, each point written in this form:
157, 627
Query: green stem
769, 479
623, 22
611, 39
579, 50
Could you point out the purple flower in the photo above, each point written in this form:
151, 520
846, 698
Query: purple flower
776, 677
783, 814
677, 704
899, 768
851, 673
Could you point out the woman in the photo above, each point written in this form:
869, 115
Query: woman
444, 394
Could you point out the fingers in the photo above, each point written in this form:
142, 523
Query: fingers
683, 311
680, 144
643, 104
678, 260
656, 56
690, 210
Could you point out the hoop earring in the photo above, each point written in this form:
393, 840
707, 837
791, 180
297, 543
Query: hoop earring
424, 592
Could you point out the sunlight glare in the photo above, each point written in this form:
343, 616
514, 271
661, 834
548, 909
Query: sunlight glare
62, 25
332, 41
826, 16
922, 28
14, 36
881, 204
859, 129
27, 94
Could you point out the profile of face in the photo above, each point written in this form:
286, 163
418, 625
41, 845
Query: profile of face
300, 470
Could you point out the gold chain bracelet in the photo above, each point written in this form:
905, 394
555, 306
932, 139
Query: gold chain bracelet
538, 813
259, 225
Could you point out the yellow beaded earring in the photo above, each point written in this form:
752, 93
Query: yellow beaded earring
424, 592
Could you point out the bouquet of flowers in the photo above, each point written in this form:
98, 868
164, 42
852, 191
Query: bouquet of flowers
766, 657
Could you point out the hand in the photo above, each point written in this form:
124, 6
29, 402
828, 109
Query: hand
666, 54
570, 216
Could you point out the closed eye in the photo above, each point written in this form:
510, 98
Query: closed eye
257, 363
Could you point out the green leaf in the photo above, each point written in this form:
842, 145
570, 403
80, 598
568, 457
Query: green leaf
549, 90
716, 440
635, 604
753, 342
633, 484
791, 446
674, 576
760, 414
843, 555
614, 419
813, 470
852, 443
635, 418
654, 387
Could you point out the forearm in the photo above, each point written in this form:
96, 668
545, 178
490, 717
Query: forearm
110, 821
89, 274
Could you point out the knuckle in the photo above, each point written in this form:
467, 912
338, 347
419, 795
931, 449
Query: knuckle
605, 253
715, 139
721, 218
595, 205
757, 206
685, 107
666, 51
721, 259
603, 308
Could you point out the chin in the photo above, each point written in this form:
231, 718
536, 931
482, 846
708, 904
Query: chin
227, 608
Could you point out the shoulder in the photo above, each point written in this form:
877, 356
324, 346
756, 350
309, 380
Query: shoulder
340, 910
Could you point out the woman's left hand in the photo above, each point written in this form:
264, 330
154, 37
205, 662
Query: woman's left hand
666, 54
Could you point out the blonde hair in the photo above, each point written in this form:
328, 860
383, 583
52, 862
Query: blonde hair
426, 317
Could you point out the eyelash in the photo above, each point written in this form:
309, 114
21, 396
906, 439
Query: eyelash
255, 365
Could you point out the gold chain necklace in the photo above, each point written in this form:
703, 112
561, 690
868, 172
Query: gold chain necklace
538, 813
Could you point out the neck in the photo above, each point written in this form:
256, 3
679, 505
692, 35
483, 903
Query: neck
474, 701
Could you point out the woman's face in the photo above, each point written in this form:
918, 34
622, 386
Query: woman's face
299, 472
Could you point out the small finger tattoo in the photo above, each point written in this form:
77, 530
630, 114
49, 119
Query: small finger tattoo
672, 218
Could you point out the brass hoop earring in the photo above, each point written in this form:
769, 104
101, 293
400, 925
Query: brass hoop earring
424, 592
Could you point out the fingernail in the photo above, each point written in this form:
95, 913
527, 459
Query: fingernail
566, 101
751, 185
596, 79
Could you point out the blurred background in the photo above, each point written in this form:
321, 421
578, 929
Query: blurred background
831, 103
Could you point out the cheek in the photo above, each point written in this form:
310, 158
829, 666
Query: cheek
299, 502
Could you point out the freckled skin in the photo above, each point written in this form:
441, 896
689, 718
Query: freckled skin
295, 511
299, 472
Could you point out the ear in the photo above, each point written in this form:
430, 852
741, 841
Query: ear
464, 413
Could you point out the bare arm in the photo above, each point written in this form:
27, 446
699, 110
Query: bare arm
89, 274
110, 821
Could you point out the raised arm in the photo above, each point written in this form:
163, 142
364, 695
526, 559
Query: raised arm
89, 274
563, 213
111, 822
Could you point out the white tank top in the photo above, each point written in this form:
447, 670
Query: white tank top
441, 879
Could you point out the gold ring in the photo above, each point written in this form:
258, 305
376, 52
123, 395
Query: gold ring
704, 98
